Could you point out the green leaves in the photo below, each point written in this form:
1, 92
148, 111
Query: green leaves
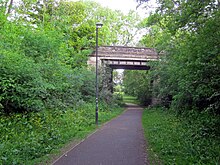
39, 70
41, 45
188, 34
138, 84
186, 81
27, 137
183, 15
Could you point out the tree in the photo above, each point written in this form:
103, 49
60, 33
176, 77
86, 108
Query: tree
138, 84
6, 6
44, 49
190, 67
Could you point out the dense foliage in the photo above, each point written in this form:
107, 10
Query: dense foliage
188, 74
33, 73
44, 45
45, 82
138, 83
186, 80
44, 48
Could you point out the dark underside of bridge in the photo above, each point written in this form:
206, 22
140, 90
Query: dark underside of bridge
129, 67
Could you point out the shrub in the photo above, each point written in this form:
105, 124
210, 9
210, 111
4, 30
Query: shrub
21, 84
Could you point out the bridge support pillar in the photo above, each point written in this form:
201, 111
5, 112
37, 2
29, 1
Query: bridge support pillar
107, 80
155, 99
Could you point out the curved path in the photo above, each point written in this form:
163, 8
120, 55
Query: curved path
119, 142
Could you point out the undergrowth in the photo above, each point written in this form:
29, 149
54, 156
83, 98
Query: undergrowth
181, 140
27, 138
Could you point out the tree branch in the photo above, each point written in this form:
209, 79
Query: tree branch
10, 7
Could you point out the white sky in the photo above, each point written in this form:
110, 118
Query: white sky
126, 5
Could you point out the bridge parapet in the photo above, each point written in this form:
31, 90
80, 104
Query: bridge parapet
123, 51
122, 56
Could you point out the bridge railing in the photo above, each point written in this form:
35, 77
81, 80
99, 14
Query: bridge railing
126, 52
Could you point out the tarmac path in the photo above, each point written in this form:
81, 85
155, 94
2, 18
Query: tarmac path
119, 142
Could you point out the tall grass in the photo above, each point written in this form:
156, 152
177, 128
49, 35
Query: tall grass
29, 138
180, 141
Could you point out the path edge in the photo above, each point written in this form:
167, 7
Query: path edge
89, 135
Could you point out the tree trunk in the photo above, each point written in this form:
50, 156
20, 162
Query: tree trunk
10, 7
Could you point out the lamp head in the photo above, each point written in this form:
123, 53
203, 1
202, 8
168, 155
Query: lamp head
99, 25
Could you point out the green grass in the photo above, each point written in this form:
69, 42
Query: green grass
130, 99
31, 138
174, 141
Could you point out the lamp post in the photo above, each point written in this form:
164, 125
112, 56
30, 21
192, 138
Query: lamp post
98, 25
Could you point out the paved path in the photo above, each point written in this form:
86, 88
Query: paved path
119, 142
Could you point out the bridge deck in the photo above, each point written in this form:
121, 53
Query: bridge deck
124, 57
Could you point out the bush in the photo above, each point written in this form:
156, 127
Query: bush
21, 85
35, 73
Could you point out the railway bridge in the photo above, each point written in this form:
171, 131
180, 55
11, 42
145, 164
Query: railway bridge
122, 57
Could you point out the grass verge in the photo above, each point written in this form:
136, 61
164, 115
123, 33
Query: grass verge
32, 138
173, 140
130, 99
